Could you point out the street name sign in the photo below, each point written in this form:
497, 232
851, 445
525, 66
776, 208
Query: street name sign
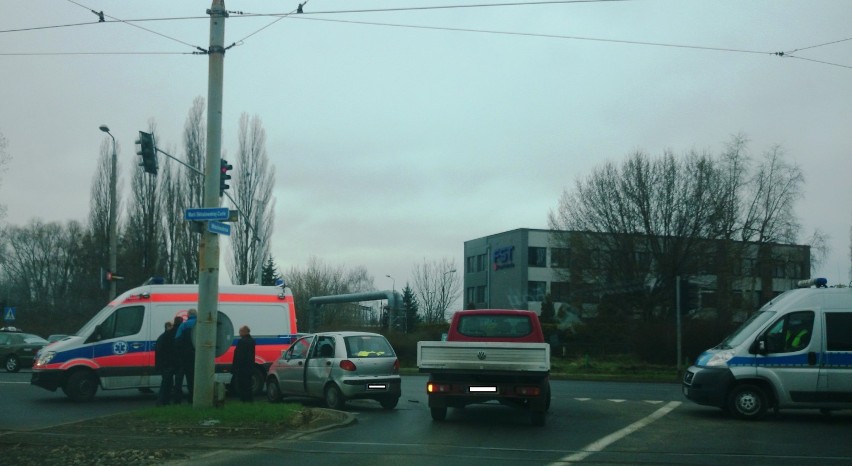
207, 213
219, 228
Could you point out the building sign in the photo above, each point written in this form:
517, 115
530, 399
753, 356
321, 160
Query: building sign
502, 257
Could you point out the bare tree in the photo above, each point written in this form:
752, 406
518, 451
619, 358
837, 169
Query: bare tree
320, 279
253, 183
437, 286
99, 204
182, 188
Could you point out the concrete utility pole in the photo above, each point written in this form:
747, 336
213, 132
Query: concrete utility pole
208, 248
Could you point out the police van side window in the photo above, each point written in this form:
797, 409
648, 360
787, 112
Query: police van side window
791, 333
123, 322
838, 331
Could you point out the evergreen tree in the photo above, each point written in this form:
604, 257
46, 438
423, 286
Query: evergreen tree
410, 307
269, 273
548, 310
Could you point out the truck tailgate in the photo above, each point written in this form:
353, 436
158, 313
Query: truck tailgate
489, 356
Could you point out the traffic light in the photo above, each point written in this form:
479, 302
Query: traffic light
224, 166
148, 151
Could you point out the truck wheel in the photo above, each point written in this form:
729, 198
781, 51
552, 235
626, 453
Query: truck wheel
747, 402
389, 402
12, 364
439, 414
537, 417
333, 397
81, 386
273, 391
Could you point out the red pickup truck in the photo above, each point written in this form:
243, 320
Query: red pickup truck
489, 355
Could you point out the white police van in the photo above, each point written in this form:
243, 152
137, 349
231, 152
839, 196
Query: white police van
795, 352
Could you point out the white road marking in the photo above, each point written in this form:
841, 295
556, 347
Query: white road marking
604, 442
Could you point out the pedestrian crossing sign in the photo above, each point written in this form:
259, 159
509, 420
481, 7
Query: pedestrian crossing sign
9, 314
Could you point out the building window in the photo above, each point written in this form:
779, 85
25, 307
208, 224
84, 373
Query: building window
559, 292
537, 257
536, 291
559, 257
480, 262
470, 297
480, 294
778, 269
469, 264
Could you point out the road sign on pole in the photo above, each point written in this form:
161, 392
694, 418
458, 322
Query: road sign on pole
219, 228
207, 213
9, 314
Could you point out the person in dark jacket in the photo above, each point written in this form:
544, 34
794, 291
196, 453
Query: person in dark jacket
243, 365
186, 356
166, 361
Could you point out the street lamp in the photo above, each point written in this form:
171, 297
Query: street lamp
391, 307
113, 241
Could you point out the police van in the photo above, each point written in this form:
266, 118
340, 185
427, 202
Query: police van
794, 352
115, 349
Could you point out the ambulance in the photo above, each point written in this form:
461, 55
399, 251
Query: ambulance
115, 349
794, 352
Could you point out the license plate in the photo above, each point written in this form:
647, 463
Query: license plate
377, 386
483, 389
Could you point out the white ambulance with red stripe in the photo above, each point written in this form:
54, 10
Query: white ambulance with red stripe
115, 349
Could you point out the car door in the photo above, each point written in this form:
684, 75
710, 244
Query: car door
291, 370
320, 364
791, 361
836, 369
119, 346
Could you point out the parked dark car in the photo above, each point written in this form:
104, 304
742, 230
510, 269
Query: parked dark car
19, 349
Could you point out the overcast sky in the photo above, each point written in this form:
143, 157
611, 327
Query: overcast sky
398, 135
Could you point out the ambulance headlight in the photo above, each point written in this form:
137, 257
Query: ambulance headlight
45, 357
721, 359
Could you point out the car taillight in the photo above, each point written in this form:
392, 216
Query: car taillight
396, 367
347, 365
528, 391
433, 387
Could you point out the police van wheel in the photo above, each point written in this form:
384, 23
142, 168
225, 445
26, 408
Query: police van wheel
389, 402
81, 386
747, 402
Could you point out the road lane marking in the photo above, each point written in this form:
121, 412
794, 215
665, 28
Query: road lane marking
604, 442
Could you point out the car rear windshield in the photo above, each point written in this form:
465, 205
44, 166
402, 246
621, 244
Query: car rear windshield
368, 346
495, 326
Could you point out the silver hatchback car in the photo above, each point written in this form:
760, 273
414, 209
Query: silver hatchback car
336, 367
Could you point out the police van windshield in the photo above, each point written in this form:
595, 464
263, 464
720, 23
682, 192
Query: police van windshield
747, 329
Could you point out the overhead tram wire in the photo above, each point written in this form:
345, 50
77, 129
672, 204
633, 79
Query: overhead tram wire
129, 23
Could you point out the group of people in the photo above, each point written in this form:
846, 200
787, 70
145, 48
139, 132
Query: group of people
174, 360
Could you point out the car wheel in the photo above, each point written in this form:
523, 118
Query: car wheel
12, 364
333, 397
439, 414
389, 402
257, 381
747, 402
273, 391
81, 386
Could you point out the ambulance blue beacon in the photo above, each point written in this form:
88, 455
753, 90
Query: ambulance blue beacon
115, 349
794, 352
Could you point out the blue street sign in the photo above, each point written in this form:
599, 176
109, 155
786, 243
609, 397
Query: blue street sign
9, 314
207, 213
219, 228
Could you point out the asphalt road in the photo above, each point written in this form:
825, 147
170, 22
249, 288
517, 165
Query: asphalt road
589, 423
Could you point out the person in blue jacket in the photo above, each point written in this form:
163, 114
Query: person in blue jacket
186, 356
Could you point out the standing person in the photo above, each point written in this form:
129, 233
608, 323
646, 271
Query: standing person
243, 365
166, 361
186, 356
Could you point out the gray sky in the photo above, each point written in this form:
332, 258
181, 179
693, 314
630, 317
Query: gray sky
398, 135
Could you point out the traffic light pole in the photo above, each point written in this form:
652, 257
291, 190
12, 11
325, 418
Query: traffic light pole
208, 249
